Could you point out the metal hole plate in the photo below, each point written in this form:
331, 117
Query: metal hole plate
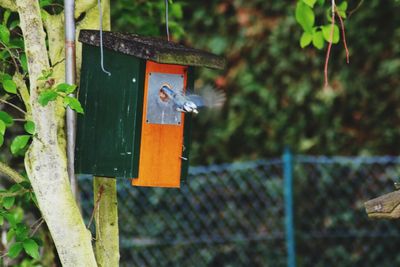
163, 111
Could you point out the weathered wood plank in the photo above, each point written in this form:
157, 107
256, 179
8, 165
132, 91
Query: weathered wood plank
384, 207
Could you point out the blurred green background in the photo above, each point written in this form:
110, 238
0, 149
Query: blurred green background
274, 88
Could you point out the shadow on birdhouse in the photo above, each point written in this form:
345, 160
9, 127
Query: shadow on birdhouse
130, 128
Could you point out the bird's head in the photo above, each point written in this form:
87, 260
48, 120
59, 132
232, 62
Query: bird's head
166, 93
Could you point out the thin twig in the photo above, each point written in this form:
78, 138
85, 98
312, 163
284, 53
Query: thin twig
96, 206
12, 105
344, 37
11, 173
58, 62
23, 120
14, 194
11, 54
36, 222
37, 227
356, 8
328, 52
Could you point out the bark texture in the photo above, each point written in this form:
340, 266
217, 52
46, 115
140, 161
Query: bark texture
45, 161
106, 217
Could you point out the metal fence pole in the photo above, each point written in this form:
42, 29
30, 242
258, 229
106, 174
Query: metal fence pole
288, 198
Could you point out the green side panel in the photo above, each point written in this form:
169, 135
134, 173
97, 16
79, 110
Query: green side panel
187, 132
108, 134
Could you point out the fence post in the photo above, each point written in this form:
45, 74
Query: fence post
288, 198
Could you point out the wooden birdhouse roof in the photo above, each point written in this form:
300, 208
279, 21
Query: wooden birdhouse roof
154, 49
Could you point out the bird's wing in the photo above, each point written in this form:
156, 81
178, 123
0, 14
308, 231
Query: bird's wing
212, 98
196, 99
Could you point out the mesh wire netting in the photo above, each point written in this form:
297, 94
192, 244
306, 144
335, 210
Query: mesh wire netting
233, 215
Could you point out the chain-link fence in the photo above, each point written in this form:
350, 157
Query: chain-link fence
236, 215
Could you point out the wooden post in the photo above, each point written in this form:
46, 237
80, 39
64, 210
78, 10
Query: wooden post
106, 218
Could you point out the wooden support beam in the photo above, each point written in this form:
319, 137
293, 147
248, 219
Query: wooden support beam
384, 207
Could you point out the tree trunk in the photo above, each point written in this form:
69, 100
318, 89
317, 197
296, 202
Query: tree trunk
45, 161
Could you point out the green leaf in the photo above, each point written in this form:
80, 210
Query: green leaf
15, 250
176, 11
342, 14
8, 202
10, 86
18, 215
1, 140
21, 232
29, 127
24, 62
11, 220
5, 76
46, 96
14, 24
38, 241
343, 6
305, 39
44, 3
1, 220
73, 103
6, 118
327, 32
25, 184
6, 16
318, 39
17, 43
66, 88
310, 3
305, 16
15, 188
4, 34
2, 128
45, 75
31, 248
19, 143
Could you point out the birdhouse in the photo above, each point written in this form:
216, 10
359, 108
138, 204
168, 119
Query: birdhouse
129, 130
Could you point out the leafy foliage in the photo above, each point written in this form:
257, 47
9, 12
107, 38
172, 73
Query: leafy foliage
19, 234
274, 88
62, 90
317, 35
148, 17
19, 143
17, 200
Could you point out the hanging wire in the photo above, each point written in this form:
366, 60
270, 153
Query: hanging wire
166, 18
101, 40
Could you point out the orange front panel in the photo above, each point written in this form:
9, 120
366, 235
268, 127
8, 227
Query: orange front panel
161, 145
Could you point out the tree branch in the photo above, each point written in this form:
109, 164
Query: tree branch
11, 173
18, 193
14, 106
9, 4
84, 6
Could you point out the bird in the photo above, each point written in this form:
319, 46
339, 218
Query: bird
208, 97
